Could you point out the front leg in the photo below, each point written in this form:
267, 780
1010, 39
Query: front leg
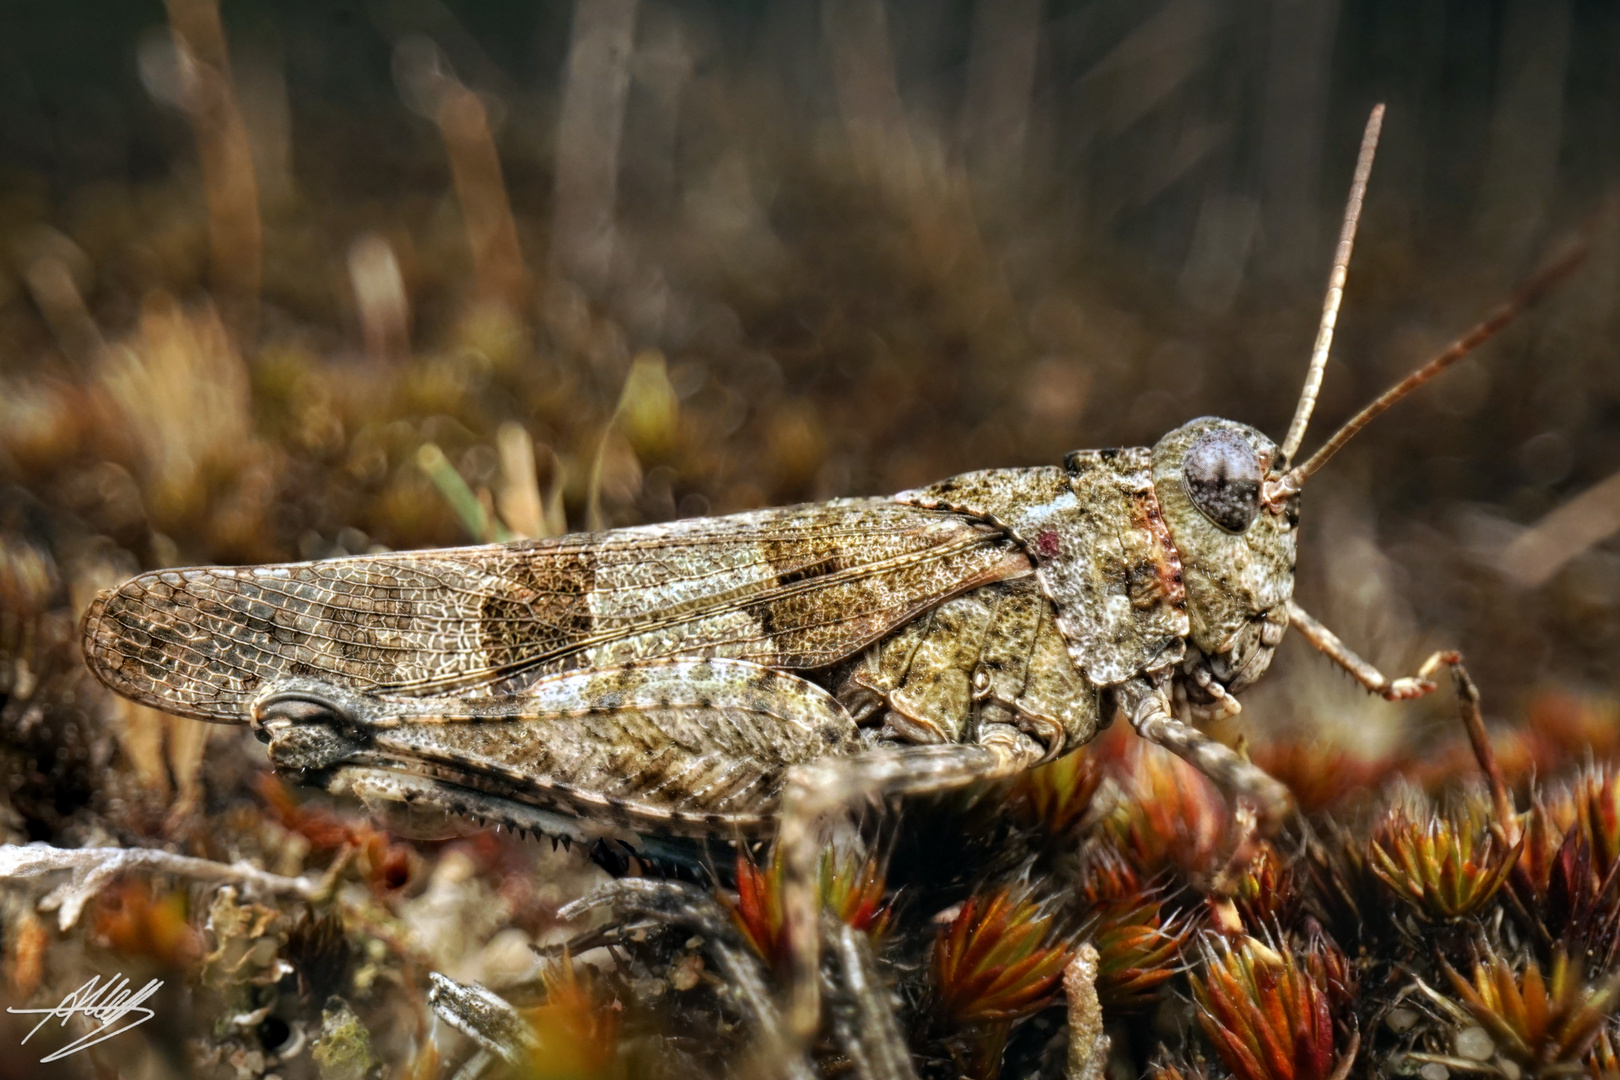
1405, 689
832, 784
1328, 644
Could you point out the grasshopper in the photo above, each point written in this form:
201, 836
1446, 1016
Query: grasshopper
729, 676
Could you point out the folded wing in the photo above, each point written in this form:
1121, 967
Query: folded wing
794, 588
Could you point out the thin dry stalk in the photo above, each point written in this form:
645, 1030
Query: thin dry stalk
1587, 519
595, 90
235, 233
93, 868
475, 168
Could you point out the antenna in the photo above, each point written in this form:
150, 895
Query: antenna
1527, 294
1335, 289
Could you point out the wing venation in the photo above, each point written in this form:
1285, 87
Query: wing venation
794, 588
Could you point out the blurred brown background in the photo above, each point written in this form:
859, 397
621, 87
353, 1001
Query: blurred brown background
625, 261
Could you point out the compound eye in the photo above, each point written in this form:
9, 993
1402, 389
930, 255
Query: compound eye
1222, 474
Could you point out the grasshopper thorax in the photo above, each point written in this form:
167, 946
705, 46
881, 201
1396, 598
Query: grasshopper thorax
1236, 550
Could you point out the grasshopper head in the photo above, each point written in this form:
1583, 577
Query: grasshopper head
1230, 496
1236, 549
1231, 506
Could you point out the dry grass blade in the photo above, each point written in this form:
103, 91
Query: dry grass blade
1542, 550
93, 868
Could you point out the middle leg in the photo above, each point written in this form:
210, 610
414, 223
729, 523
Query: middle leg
1148, 709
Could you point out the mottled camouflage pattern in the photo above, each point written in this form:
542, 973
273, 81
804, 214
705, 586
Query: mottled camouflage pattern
1101, 550
993, 655
664, 680
677, 747
797, 588
1238, 584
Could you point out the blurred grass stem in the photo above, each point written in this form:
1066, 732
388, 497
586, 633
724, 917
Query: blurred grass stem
596, 85
475, 169
235, 233
475, 517
95, 867
51, 285
519, 496
379, 296
1541, 550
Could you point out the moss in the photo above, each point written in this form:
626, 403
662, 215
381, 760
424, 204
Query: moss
343, 1048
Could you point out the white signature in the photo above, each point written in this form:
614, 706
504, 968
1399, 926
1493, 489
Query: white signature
107, 1004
